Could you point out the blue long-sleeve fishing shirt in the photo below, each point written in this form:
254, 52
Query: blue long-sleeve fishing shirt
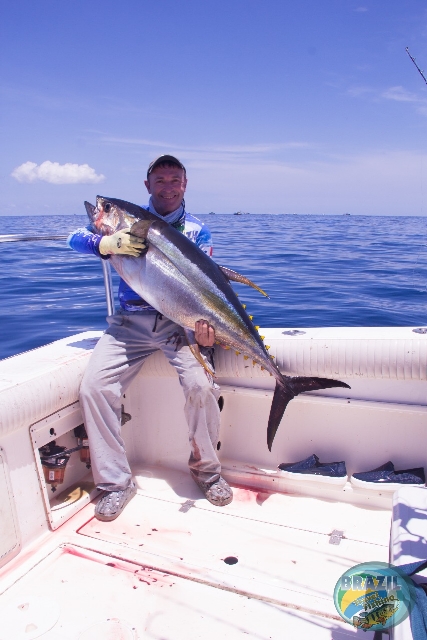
84, 240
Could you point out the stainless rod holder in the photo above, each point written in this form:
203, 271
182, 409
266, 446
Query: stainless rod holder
108, 283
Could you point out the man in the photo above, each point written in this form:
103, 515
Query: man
135, 332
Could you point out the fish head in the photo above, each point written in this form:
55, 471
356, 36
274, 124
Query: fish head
111, 215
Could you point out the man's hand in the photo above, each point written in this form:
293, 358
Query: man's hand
205, 333
123, 243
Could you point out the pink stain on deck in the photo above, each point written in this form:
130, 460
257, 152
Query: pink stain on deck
150, 576
243, 493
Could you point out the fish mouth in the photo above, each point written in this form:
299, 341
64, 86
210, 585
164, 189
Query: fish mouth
90, 209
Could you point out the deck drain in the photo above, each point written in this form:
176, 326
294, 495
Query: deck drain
231, 560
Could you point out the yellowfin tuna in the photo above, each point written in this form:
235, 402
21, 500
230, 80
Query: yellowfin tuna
184, 284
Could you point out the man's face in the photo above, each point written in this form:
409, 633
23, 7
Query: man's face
166, 185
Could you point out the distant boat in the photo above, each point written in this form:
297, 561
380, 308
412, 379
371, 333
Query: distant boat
241, 213
346, 214
211, 213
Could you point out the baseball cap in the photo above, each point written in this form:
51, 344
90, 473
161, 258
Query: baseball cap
164, 158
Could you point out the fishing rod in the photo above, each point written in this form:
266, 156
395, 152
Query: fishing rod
419, 70
21, 237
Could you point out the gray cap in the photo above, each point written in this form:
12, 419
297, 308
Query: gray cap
164, 158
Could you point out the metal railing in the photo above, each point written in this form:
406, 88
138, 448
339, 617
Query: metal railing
106, 269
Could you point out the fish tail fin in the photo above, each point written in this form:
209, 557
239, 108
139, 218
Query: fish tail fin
281, 398
283, 394
302, 384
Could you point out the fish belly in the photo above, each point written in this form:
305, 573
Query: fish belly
158, 281
163, 286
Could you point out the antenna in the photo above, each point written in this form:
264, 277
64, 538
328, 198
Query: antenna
419, 70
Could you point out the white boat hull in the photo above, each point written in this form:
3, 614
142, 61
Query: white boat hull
159, 570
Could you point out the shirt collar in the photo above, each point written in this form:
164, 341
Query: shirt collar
173, 218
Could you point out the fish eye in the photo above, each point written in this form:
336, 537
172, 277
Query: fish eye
107, 207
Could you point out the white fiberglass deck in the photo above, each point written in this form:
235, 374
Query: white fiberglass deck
158, 571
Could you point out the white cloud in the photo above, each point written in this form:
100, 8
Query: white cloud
361, 9
248, 149
356, 92
396, 94
223, 154
400, 95
56, 173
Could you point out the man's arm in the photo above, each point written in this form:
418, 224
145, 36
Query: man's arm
121, 243
84, 241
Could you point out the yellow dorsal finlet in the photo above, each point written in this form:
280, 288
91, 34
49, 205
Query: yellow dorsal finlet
246, 357
251, 317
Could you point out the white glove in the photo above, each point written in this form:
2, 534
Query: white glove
123, 243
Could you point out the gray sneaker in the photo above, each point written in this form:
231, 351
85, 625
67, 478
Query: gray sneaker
113, 502
218, 493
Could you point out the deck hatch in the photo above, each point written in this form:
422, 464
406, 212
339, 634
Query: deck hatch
255, 546
92, 596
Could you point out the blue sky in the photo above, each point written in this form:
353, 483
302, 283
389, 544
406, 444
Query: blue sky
274, 107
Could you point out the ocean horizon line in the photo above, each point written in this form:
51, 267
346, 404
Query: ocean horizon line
332, 215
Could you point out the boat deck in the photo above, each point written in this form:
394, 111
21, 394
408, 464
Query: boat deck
173, 566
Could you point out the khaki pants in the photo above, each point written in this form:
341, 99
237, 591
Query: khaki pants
117, 358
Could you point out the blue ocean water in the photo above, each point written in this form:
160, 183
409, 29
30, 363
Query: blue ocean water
318, 270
